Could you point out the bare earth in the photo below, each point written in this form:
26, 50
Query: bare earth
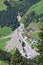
15, 43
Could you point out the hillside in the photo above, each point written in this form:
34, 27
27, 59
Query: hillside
21, 32
38, 8
33, 18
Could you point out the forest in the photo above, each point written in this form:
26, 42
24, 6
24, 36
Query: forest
32, 17
9, 17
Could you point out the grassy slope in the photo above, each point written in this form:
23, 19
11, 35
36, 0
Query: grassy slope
3, 63
2, 5
2, 42
35, 35
38, 8
34, 26
5, 30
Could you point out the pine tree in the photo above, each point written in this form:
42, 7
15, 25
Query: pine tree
40, 46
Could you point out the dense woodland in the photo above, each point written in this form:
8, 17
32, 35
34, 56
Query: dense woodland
16, 58
32, 17
9, 17
23, 5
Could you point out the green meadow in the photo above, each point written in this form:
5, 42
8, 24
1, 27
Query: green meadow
2, 5
38, 8
3, 63
3, 42
5, 30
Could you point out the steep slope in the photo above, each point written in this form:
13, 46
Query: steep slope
38, 8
